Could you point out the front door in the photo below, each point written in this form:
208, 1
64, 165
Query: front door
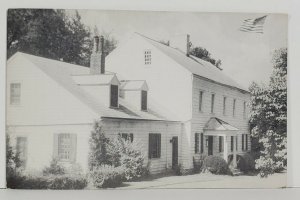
210, 145
174, 152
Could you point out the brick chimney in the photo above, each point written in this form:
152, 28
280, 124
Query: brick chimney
181, 42
97, 62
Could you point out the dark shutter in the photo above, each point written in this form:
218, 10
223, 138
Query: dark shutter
131, 137
144, 100
159, 145
236, 143
202, 143
196, 142
114, 95
200, 100
232, 143
243, 140
150, 146
220, 143
246, 142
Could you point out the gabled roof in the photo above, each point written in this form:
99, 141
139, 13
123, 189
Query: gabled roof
63, 72
195, 65
134, 85
96, 79
216, 124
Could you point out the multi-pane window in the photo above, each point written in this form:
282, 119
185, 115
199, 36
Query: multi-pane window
244, 142
64, 146
15, 93
244, 109
221, 142
127, 136
147, 57
144, 100
199, 143
233, 107
200, 100
212, 103
224, 105
154, 145
114, 90
22, 149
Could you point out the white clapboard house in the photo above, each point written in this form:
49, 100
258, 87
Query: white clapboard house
175, 105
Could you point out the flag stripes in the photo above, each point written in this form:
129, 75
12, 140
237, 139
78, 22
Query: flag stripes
253, 25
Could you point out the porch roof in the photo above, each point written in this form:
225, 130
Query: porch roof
216, 126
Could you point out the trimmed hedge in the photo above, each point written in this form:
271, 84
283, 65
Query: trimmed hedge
216, 165
63, 182
107, 176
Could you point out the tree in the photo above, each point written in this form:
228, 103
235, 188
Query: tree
48, 33
204, 54
268, 118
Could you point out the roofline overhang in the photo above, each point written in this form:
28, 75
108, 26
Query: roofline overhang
141, 119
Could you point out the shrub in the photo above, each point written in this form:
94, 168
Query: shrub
66, 182
246, 163
54, 169
216, 165
107, 176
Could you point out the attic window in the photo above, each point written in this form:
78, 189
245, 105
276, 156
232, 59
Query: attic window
147, 57
144, 100
114, 90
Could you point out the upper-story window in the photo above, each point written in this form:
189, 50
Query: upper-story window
144, 105
244, 109
224, 105
15, 93
200, 100
233, 107
147, 57
212, 103
114, 90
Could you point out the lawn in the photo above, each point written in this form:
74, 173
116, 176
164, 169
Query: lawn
206, 180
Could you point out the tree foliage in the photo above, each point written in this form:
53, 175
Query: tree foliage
268, 118
204, 54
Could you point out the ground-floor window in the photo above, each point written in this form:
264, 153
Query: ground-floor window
65, 146
221, 142
127, 136
22, 150
245, 142
154, 145
199, 143
231, 143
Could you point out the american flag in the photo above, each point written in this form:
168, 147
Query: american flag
254, 25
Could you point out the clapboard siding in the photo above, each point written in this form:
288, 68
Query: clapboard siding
200, 118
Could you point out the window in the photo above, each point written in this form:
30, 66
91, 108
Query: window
15, 93
236, 143
244, 109
245, 142
233, 107
144, 100
154, 145
202, 149
114, 90
199, 143
22, 150
212, 103
127, 136
224, 105
66, 146
200, 100
147, 57
221, 148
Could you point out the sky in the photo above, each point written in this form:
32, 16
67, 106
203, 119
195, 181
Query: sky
246, 57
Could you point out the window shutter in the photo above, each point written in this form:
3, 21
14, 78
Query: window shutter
246, 142
236, 143
55, 146
73, 147
196, 142
150, 146
202, 143
231, 143
220, 143
131, 137
159, 144
243, 140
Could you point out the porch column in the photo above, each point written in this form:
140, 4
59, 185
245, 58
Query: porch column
225, 146
234, 152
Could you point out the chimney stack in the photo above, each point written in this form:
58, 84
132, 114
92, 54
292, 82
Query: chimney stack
188, 45
181, 42
97, 62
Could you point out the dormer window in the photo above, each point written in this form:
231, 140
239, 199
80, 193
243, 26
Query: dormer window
144, 100
114, 95
147, 57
